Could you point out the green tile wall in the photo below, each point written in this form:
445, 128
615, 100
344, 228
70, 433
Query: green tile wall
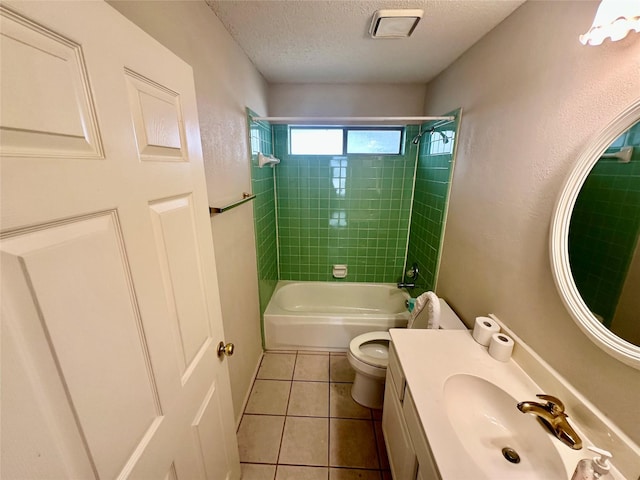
433, 176
351, 210
264, 211
604, 229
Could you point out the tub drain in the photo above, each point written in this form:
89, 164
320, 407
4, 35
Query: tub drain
511, 455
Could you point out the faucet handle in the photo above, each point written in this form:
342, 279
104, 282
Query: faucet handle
413, 271
555, 404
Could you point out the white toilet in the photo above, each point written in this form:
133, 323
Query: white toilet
369, 356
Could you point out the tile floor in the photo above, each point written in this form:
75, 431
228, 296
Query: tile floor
300, 423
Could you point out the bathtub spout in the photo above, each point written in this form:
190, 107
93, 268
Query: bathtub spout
406, 285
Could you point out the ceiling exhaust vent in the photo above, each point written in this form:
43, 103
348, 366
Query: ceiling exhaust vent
394, 23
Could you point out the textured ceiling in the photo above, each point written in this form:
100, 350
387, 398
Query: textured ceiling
314, 41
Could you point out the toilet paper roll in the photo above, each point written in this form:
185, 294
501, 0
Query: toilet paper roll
483, 329
501, 346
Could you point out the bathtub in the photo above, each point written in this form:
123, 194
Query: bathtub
327, 315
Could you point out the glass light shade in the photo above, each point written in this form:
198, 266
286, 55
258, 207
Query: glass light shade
614, 19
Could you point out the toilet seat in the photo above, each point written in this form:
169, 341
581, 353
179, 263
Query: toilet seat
376, 355
368, 355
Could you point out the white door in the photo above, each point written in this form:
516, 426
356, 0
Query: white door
110, 306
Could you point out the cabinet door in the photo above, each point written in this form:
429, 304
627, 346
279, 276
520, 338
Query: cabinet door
395, 370
427, 469
402, 458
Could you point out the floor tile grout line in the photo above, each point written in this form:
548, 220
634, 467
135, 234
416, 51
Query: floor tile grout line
337, 467
307, 352
375, 439
329, 417
244, 410
302, 380
330, 369
309, 416
328, 467
284, 424
371, 419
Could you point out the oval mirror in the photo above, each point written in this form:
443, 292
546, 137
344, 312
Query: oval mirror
595, 257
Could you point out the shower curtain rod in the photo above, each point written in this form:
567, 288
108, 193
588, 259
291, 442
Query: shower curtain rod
351, 119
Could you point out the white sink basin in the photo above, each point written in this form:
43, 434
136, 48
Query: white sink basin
466, 405
485, 419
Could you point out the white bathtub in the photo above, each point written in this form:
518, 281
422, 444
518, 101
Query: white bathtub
327, 315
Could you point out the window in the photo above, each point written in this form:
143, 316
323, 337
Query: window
345, 140
374, 141
316, 141
441, 142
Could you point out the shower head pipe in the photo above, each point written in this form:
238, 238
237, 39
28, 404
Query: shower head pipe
416, 139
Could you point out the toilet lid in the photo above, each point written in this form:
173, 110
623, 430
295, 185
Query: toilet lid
371, 348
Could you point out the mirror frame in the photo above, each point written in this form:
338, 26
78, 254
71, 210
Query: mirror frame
615, 346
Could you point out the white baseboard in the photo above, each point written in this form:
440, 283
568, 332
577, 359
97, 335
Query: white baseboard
248, 394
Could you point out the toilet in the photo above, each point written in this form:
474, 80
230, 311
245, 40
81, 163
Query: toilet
369, 356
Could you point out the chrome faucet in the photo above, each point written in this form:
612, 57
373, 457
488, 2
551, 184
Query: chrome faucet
411, 273
553, 417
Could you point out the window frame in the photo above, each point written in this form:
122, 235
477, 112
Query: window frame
345, 137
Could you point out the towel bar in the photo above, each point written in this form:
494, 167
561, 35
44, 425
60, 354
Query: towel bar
245, 198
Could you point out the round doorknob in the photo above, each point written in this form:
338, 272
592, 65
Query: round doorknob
225, 349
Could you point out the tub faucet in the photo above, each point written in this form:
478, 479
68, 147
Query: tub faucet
553, 417
412, 273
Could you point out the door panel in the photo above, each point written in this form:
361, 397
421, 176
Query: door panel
44, 441
207, 422
47, 104
110, 313
80, 287
175, 239
157, 119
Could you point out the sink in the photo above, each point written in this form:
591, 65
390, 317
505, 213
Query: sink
486, 421
465, 402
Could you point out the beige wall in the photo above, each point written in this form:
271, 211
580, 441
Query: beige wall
532, 98
226, 82
320, 99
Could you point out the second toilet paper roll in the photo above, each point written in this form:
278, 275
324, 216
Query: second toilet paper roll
483, 329
501, 346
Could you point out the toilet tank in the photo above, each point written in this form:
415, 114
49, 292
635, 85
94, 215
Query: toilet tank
448, 318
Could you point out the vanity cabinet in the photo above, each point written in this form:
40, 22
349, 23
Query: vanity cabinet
406, 443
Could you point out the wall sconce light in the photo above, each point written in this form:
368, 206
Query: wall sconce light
614, 19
